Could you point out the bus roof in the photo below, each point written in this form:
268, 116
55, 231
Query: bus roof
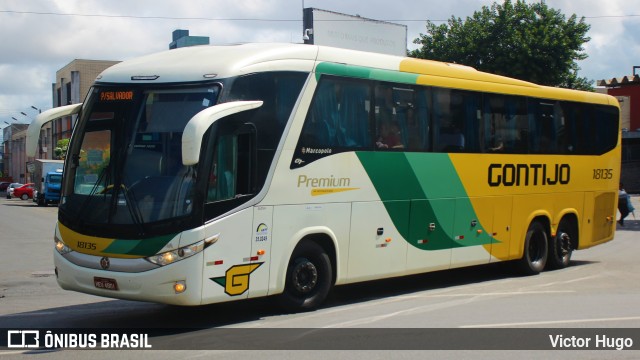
199, 63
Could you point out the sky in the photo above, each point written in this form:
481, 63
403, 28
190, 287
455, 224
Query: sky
39, 37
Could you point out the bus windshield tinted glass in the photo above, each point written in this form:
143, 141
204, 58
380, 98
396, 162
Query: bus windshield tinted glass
126, 157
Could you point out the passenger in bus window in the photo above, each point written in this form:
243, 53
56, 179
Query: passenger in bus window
389, 137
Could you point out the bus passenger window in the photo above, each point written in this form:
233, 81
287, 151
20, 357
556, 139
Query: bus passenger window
339, 116
505, 124
451, 136
419, 121
457, 117
221, 177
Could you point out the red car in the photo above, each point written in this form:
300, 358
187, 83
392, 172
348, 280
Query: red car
24, 192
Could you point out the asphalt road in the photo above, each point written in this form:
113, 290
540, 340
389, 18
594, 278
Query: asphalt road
601, 290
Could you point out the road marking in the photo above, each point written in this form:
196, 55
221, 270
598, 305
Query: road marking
445, 293
464, 299
554, 322
45, 273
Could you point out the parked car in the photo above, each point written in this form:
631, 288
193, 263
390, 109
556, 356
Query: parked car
24, 192
4, 185
11, 187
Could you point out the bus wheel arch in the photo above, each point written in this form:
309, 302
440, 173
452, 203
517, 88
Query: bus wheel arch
310, 274
536, 244
566, 240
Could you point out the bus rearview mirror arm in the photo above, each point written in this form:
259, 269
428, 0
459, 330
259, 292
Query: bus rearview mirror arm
33, 132
200, 122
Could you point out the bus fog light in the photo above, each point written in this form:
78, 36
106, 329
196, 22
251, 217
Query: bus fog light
180, 286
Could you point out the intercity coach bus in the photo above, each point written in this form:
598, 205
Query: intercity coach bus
217, 173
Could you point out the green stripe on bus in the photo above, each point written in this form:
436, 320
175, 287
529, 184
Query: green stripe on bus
146, 247
429, 186
365, 73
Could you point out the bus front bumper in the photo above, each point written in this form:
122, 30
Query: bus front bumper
157, 285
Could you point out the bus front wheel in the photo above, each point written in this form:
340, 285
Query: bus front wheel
535, 254
309, 278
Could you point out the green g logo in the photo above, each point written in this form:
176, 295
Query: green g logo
236, 279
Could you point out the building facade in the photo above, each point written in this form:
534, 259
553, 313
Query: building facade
14, 158
181, 38
627, 90
72, 85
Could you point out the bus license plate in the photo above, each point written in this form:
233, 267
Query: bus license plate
105, 283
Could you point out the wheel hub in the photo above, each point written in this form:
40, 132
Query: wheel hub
565, 243
305, 276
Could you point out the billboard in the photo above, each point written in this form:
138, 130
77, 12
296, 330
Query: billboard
322, 27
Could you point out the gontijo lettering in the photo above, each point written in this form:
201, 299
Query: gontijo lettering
528, 174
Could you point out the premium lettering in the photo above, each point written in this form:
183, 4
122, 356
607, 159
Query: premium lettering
304, 181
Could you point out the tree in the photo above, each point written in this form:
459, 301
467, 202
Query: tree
530, 42
61, 148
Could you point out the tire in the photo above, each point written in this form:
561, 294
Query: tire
309, 278
561, 246
536, 246
24, 197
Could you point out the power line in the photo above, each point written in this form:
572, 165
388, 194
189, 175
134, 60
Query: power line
247, 19
145, 17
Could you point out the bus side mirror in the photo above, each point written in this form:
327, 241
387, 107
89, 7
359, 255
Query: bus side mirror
33, 132
200, 122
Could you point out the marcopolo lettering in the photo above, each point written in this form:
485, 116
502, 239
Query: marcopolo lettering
528, 174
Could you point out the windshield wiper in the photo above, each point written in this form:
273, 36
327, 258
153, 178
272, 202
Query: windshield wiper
134, 210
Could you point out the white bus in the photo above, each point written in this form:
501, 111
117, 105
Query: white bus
218, 173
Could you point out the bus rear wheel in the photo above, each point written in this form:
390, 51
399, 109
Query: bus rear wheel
535, 254
309, 278
561, 246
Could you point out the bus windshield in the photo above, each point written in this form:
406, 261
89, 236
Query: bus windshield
125, 161
55, 179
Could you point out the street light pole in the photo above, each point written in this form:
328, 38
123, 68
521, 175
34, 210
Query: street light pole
27, 116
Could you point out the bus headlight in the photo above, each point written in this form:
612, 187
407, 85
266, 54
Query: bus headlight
61, 247
182, 253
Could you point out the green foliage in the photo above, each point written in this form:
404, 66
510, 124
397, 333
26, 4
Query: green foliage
530, 42
61, 149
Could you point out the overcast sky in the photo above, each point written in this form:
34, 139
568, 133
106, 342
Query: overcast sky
42, 36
